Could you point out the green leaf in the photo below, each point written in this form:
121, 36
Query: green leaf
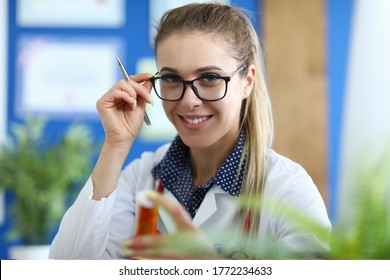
41, 176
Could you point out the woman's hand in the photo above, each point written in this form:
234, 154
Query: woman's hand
121, 112
187, 243
122, 109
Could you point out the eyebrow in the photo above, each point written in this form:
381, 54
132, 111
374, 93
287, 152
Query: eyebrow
197, 71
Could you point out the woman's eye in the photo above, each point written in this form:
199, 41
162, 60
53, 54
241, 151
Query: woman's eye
170, 79
210, 78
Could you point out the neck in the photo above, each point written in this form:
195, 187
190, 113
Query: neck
206, 162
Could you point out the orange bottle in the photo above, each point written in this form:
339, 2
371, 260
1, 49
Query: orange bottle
147, 216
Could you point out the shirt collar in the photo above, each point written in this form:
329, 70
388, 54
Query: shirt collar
229, 177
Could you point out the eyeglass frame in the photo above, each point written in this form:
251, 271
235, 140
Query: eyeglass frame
227, 79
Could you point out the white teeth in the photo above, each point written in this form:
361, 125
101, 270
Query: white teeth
196, 121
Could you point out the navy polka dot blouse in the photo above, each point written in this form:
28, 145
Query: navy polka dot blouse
175, 173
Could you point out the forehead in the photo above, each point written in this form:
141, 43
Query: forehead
194, 51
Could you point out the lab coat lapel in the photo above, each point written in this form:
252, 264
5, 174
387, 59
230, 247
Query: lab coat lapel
166, 224
217, 206
208, 206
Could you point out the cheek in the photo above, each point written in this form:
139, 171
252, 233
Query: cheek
230, 109
168, 108
233, 100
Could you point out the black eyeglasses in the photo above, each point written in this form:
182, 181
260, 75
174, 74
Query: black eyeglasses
208, 87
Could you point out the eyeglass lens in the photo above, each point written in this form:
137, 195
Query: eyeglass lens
206, 88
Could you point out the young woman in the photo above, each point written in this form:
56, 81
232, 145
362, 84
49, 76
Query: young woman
211, 80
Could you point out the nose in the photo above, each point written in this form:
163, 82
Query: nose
190, 99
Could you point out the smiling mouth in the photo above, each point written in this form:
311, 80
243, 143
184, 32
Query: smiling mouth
196, 120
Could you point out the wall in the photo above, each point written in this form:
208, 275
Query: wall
3, 67
366, 127
295, 55
339, 17
3, 87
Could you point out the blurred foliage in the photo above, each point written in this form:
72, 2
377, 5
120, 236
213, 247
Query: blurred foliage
363, 234
41, 177
366, 234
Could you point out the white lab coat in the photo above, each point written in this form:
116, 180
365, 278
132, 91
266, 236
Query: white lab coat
94, 229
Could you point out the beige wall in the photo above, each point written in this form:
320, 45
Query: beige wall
294, 46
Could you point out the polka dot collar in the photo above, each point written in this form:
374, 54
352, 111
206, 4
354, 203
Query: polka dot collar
175, 172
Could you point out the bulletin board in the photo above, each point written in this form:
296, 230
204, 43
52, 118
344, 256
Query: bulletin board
62, 58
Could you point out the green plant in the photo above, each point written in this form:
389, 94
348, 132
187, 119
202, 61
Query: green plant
366, 233
363, 234
41, 177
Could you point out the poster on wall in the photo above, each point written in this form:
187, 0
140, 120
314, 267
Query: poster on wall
158, 8
64, 77
70, 13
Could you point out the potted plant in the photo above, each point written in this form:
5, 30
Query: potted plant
362, 233
365, 233
40, 177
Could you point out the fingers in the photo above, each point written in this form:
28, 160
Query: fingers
126, 91
114, 97
142, 85
181, 218
145, 246
140, 78
136, 91
187, 242
180, 245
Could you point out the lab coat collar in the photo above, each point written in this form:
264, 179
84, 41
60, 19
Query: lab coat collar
211, 205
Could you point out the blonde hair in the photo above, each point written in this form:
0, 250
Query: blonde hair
234, 28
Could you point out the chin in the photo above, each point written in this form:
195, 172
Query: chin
198, 141
195, 141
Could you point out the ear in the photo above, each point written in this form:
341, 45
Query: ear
249, 81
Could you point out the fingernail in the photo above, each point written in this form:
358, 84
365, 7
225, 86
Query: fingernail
134, 104
126, 243
151, 100
151, 194
128, 253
